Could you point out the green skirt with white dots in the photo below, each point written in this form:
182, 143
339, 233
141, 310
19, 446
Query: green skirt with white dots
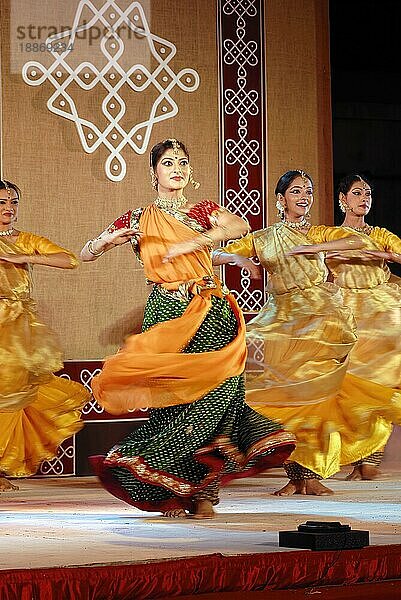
183, 449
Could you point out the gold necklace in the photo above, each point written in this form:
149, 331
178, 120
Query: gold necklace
7, 232
174, 203
302, 224
367, 229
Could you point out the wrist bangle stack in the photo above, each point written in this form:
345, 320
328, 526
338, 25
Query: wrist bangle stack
197, 245
92, 251
198, 242
211, 240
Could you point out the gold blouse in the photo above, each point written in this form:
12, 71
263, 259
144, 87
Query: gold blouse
30, 243
355, 273
286, 273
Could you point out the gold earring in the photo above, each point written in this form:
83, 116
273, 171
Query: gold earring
153, 179
342, 205
280, 210
196, 184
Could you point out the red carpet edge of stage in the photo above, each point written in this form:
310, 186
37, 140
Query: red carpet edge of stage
205, 574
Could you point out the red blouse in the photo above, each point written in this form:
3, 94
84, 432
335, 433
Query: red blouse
201, 213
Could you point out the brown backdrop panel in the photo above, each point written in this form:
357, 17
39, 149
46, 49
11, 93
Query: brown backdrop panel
66, 194
298, 98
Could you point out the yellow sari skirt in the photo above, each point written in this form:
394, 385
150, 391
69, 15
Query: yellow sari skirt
37, 410
377, 353
297, 373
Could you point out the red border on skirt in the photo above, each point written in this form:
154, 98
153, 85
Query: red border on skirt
112, 485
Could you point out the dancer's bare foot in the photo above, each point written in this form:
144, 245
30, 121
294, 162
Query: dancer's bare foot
356, 474
203, 509
369, 472
364, 472
305, 487
177, 513
294, 486
6, 485
315, 488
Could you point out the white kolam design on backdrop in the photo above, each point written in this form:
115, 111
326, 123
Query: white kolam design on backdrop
116, 80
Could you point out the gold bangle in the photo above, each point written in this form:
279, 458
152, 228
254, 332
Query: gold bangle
211, 240
91, 249
197, 245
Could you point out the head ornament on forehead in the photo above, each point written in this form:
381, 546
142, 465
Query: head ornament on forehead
6, 187
9, 186
365, 186
303, 175
175, 144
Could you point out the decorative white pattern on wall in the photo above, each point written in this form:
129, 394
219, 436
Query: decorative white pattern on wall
117, 80
242, 91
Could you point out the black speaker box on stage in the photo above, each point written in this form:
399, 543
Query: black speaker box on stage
324, 535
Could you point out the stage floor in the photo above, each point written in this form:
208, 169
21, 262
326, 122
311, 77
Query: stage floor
73, 521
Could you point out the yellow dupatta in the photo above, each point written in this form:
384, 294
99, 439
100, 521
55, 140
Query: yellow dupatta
151, 370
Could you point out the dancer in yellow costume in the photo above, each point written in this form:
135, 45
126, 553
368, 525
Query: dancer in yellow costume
373, 296
37, 410
307, 334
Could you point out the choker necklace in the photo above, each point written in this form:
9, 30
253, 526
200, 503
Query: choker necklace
7, 232
302, 224
364, 229
174, 203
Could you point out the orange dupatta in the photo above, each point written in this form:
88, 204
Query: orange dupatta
151, 370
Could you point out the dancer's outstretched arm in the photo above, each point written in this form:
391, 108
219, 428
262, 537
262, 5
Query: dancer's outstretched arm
220, 257
226, 226
239, 253
106, 241
351, 242
61, 260
382, 255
